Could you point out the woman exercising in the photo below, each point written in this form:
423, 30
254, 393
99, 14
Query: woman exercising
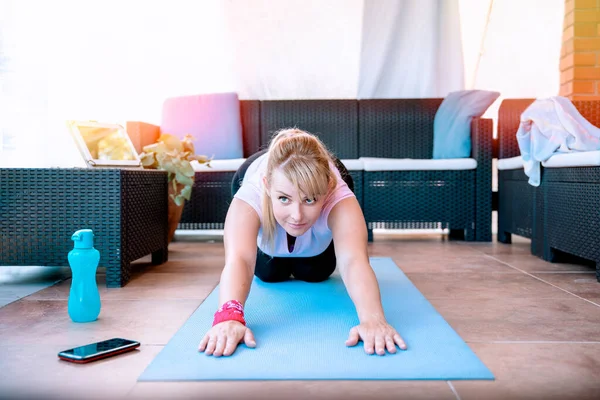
295, 202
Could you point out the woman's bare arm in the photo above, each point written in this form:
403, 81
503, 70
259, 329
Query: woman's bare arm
347, 223
241, 230
349, 230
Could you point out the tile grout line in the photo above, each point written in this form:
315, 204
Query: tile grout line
453, 390
541, 280
564, 272
132, 388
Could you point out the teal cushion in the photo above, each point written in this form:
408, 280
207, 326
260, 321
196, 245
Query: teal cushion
452, 122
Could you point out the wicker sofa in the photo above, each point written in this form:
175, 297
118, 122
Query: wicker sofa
363, 133
561, 215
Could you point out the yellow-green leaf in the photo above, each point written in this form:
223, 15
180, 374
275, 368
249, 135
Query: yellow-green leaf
171, 142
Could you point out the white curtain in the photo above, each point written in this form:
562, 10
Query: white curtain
513, 47
410, 49
299, 49
118, 60
521, 51
295, 49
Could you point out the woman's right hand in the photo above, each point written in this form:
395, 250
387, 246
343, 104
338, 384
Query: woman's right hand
223, 338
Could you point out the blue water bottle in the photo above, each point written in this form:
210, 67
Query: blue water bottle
84, 298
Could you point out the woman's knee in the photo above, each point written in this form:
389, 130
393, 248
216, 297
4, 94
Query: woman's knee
270, 269
314, 275
316, 269
272, 276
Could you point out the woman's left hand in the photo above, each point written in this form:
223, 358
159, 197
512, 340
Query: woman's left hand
377, 335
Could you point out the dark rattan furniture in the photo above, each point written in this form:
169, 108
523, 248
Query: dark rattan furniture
571, 216
515, 196
335, 122
561, 215
41, 208
460, 200
571, 213
396, 128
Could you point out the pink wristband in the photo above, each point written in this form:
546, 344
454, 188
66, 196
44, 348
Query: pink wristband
231, 310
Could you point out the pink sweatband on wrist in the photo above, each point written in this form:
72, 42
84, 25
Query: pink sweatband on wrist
231, 310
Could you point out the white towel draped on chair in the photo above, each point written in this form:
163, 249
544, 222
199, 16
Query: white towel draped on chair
551, 126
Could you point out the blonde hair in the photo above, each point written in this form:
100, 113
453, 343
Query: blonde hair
304, 160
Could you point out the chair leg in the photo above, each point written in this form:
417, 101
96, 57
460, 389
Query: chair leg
456, 234
549, 254
598, 271
469, 235
504, 237
160, 256
369, 235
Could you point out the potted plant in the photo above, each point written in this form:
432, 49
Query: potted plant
173, 155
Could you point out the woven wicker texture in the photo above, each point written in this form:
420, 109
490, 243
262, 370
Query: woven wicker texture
482, 152
590, 110
420, 200
515, 195
570, 207
211, 197
572, 220
515, 205
143, 220
357, 178
571, 200
333, 121
41, 208
250, 115
564, 210
397, 128
509, 117
458, 200
538, 230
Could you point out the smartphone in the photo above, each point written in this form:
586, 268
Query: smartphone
98, 351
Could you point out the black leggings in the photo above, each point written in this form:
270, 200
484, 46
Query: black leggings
278, 269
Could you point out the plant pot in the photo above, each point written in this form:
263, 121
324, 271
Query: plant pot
174, 214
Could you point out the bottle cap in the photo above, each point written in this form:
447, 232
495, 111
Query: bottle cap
84, 239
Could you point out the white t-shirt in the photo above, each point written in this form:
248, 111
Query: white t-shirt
316, 239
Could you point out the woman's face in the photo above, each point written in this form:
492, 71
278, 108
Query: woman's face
293, 210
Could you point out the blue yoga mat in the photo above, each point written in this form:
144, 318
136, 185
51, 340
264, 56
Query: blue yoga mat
301, 329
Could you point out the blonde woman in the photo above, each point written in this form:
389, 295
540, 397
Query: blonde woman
294, 204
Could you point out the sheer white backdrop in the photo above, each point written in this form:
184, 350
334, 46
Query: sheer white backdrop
118, 60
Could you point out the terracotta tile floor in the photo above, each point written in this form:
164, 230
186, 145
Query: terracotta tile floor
536, 325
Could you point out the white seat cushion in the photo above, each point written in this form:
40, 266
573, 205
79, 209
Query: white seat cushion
219, 165
575, 159
411, 164
510, 163
353, 164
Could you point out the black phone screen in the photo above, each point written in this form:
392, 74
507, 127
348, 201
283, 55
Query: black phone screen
99, 348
